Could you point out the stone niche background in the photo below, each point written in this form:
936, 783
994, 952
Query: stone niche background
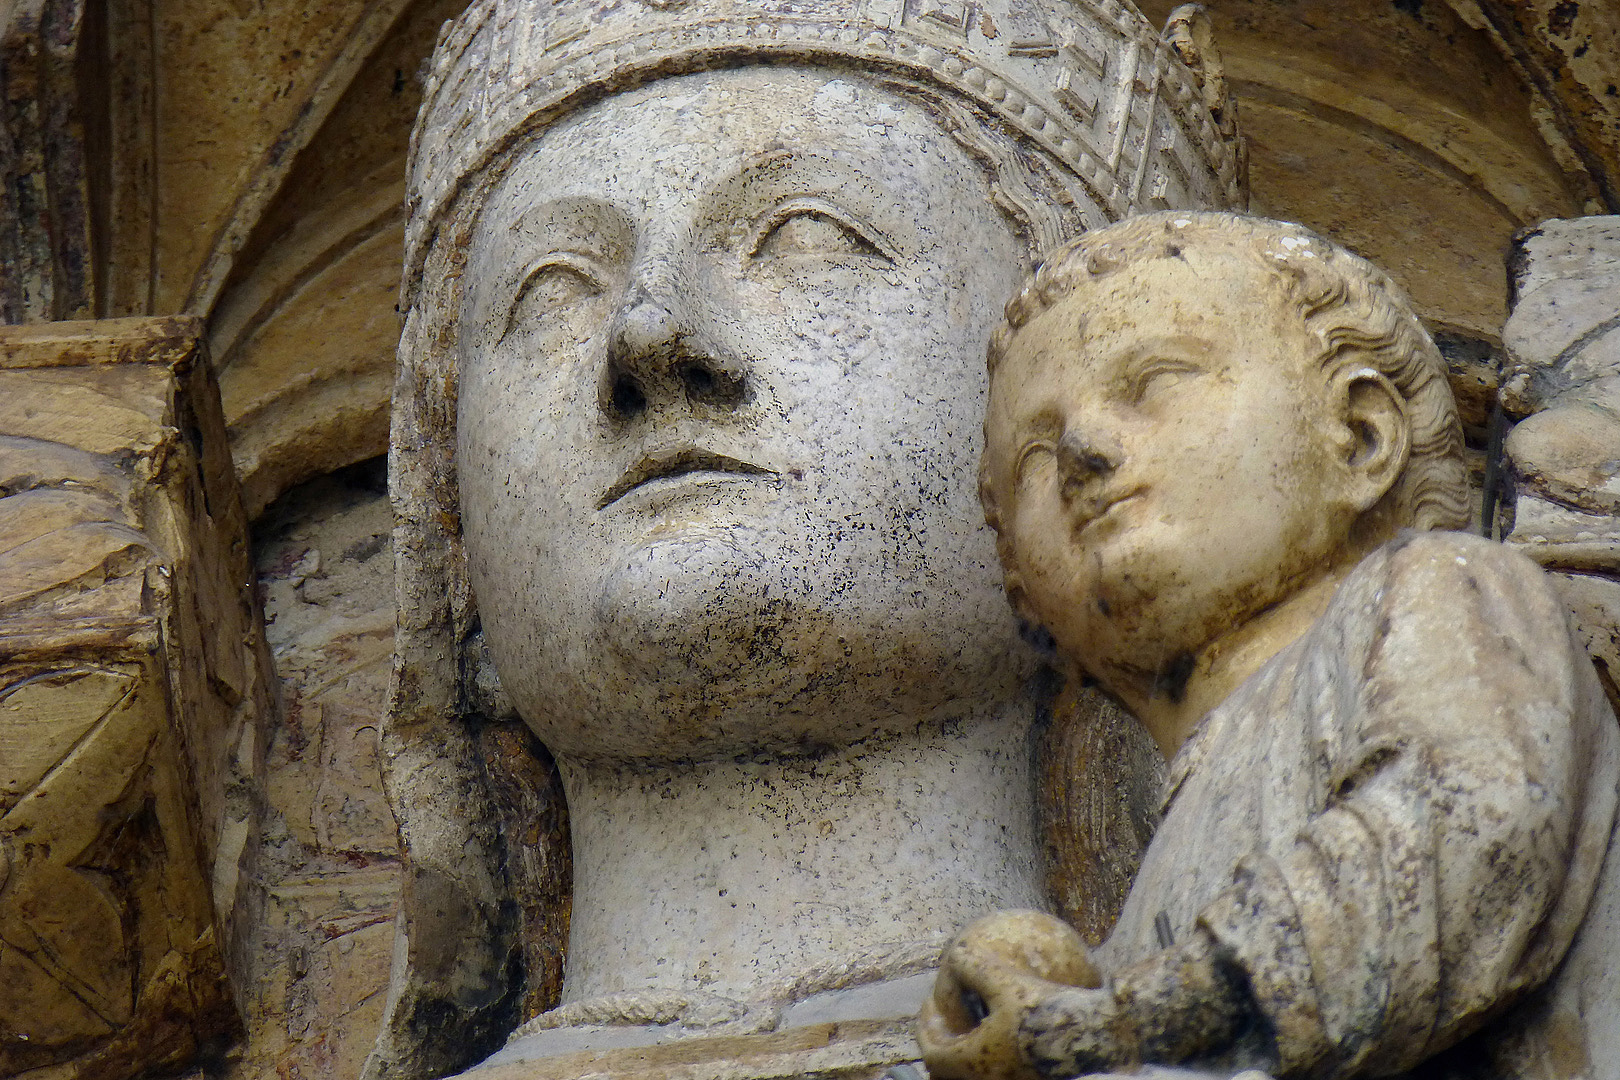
243, 161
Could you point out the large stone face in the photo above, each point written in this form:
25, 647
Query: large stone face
753, 394
689, 392
245, 162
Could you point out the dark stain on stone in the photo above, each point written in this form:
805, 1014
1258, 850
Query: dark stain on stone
362, 550
1561, 19
1413, 8
1171, 680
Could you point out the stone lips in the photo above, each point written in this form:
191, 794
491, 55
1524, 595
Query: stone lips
1087, 81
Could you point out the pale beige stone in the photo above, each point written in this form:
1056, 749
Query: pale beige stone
1390, 128
1211, 445
860, 1050
1026, 955
1564, 457
133, 681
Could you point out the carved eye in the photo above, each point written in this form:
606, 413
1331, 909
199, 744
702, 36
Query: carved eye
814, 228
1036, 456
1157, 375
549, 286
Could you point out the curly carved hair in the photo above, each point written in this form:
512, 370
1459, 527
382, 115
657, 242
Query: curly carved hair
1355, 313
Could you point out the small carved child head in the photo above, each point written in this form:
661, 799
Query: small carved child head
1193, 416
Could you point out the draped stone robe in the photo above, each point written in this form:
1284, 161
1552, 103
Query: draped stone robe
1397, 827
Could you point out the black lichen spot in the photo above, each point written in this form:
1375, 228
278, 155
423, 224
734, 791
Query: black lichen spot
1037, 637
1413, 8
1561, 19
1171, 680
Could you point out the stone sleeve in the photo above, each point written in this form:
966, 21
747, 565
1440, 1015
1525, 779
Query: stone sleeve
1462, 834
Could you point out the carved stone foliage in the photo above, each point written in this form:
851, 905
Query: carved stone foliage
108, 953
132, 679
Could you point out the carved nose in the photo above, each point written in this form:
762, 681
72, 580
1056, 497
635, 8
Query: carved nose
645, 326
654, 358
1081, 461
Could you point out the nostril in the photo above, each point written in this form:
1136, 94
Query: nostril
628, 398
699, 380
973, 1004
1097, 463
708, 385
1080, 462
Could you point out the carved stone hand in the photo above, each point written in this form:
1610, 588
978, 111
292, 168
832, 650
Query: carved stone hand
991, 976
1172, 1007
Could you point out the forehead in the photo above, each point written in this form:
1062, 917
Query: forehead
1204, 292
667, 141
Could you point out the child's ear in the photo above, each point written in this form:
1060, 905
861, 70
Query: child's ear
1375, 435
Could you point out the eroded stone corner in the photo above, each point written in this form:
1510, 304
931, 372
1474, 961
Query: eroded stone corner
133, 680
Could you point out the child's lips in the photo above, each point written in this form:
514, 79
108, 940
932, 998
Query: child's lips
1095, 509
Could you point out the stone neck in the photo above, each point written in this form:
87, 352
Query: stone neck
762, 881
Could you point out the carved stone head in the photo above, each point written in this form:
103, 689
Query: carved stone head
710, 329
684, 424
728, 353
1191, 415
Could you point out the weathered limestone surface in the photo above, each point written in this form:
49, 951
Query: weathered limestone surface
44, 200
682, 457
329, 854
245, 160
853, 1050
1384, 845
1563, 377
1391, 128
132, 686
1570, 51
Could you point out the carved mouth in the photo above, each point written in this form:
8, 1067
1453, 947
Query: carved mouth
679, 463
1098, 508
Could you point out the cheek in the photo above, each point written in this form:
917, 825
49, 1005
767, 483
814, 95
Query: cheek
1052, 570
524, 424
